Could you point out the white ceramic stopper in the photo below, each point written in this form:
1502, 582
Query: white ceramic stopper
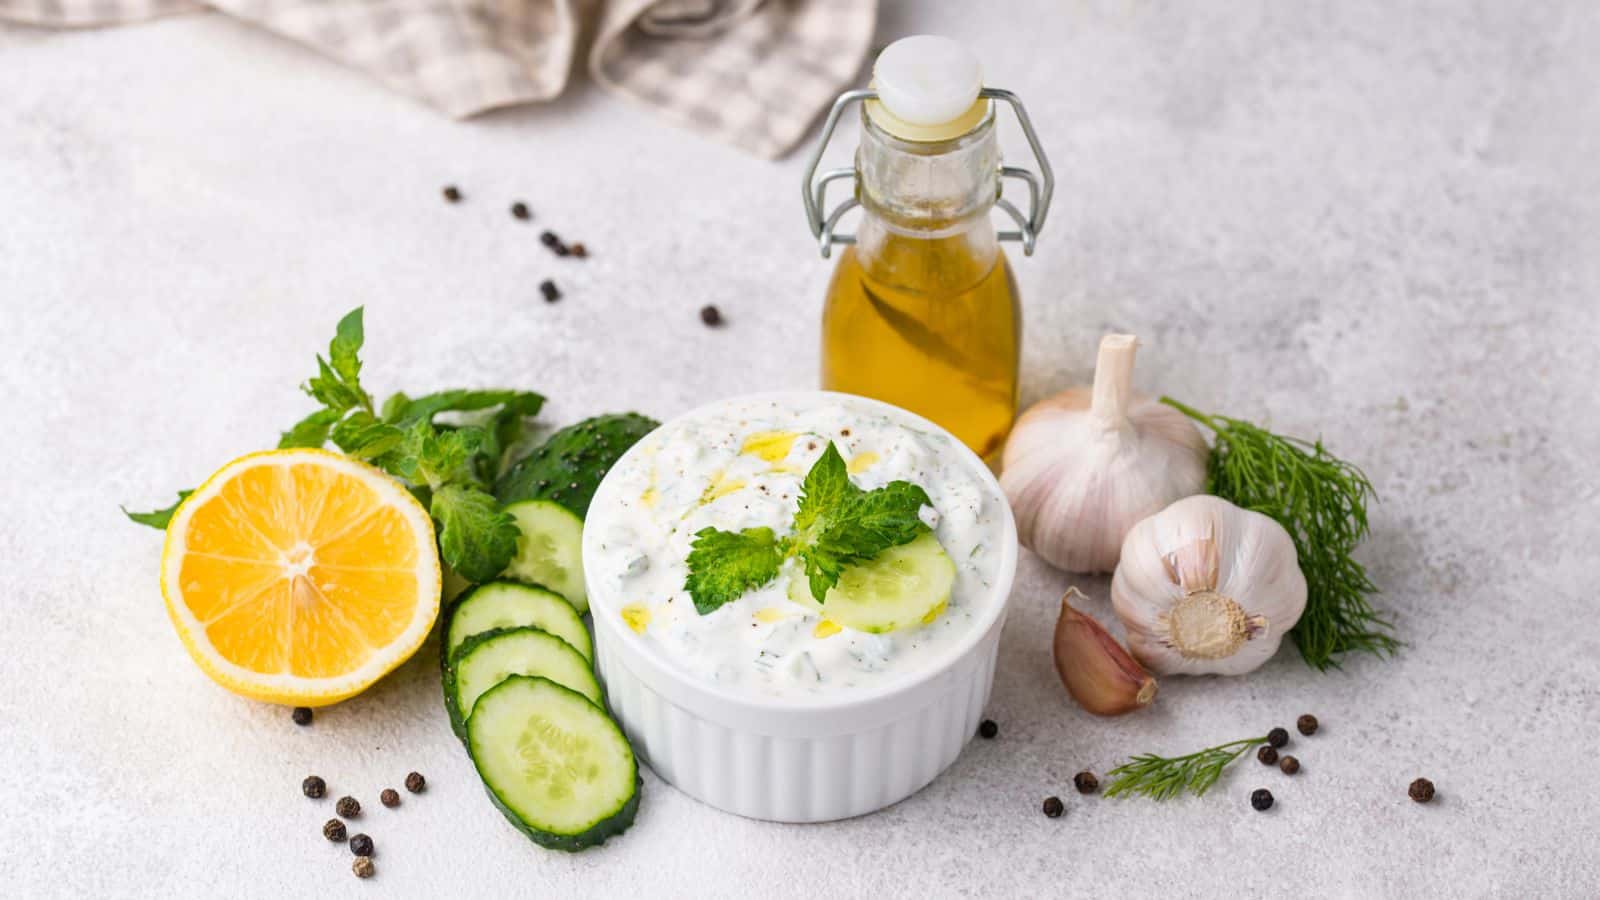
926, 79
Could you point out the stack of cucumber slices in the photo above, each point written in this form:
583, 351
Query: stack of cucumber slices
519, 684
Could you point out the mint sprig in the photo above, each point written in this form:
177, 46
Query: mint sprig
837, 525
448, 466
725, 564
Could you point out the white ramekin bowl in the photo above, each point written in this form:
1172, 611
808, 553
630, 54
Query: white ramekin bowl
790, 760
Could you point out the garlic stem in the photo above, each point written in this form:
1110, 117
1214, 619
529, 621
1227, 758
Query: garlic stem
1113, 379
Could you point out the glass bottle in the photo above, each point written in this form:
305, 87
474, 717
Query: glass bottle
922, 310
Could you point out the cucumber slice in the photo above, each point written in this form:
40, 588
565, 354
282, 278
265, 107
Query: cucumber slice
549, 550
556, 766
507, 604
486, 659
902, 587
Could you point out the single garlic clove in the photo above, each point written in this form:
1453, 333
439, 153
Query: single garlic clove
1097, 672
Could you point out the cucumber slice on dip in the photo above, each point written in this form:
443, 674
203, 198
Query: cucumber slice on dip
555, 765
549, 550
902, 587
507, 604
487, 659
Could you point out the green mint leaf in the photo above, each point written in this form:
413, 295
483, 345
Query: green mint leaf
824, 492
448, 455
476, 538
404, 460
361, 435
504, 431
433, 456
337, 384
331, 391
874, 521
839, 525
865, 525
394, 408
312, 431
403, 410
157, 518
345, 348
725, 564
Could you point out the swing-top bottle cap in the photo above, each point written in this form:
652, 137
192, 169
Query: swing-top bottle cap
927, 89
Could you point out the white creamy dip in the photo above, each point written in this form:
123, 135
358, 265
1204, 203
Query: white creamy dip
740, 465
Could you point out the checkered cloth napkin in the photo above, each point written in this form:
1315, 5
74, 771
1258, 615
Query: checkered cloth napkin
754, 73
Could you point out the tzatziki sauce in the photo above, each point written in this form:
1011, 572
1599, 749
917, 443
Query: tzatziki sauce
740, 465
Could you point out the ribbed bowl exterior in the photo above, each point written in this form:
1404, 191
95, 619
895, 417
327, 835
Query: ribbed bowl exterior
720, 761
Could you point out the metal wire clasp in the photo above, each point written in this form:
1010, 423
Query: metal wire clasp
814, 189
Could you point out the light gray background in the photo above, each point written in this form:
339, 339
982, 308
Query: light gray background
1373, 221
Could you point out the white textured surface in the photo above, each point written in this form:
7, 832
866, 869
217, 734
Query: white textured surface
1376, 221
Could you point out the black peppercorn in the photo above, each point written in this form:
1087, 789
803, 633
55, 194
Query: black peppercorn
348, 807
988, 729
520, 210
301, 715
390, 798
1085, 782
549, 290
1267, 755
1277, 737
333, 830
452, 194
1053, 807
580, 251
711, 316
360, 844
314, 787
561, 250
415, 782
1289, 765
363, 867
1307, 724
1260, 798
548, 238
1421, 790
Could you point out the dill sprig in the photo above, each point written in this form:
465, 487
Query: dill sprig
1321, 501
1163, 777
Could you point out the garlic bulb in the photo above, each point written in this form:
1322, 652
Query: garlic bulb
1205, 587
1081, 467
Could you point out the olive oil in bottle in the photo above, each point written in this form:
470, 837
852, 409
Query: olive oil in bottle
923, 311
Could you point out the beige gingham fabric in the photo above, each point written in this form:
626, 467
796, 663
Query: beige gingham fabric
753, 73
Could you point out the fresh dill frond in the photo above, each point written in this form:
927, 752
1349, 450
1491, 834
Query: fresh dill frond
1162, 777
1321, 501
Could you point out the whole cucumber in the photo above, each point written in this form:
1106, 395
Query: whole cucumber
567, 467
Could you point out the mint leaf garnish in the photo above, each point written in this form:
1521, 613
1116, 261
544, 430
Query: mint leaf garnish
476, 538
157, 518
859, 526
837, 525
826, 488
725, 564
